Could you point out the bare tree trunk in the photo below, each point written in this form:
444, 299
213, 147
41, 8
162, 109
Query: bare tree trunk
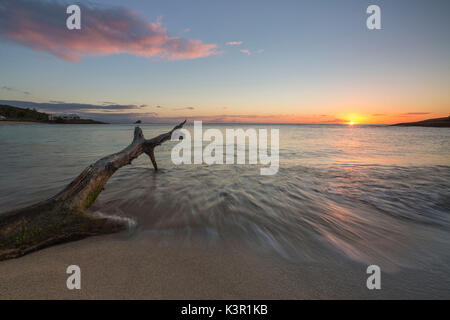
63, 217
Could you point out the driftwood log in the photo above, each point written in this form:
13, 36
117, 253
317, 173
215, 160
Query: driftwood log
63, 217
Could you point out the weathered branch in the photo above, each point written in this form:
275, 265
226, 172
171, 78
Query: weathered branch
63, 217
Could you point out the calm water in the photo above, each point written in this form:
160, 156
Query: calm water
375, 195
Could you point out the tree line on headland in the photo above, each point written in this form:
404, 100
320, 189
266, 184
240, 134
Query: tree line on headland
11, 113
436, 122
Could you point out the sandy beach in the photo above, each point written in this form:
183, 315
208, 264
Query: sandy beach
116, 267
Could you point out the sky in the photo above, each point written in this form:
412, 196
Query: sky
312, 61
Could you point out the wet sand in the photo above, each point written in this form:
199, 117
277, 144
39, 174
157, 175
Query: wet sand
115, 267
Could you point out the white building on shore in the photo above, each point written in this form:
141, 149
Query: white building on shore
70, 116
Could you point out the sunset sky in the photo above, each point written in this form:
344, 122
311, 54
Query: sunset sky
228, 61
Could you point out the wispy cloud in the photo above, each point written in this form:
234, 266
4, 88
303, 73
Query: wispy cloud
116, 117
415, 113
131, 113
183, 108
15, 90
234, 43
249, 118
107, 30
248, 52
332, 121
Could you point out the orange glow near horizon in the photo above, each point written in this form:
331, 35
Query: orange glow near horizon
268, 115
232, 116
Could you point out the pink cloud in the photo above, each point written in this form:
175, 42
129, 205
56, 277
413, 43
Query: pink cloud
40, 25
246, 51
234, 43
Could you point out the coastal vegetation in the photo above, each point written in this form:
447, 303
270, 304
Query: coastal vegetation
11, 113
436, 122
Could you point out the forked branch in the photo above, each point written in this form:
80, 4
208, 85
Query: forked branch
63, 217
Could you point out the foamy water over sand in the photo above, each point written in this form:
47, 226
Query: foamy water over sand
374, 195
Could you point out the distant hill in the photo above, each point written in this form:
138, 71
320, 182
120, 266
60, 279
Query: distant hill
21, 114
436, 122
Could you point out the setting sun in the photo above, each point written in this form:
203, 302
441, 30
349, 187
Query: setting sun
351, 123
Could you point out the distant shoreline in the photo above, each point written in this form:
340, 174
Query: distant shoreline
436, 123
19, 122
81, 121
16, 115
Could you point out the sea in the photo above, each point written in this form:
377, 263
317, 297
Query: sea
376, 195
